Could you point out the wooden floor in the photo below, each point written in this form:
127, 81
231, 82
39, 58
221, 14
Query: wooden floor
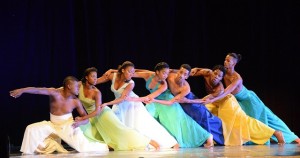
273, 150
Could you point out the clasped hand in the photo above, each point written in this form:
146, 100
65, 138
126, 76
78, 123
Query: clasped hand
77, 122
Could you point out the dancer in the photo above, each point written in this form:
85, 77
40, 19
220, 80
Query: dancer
106, 123
42, 137
250, 102
180, 88
134, 114
238, 128
186, 131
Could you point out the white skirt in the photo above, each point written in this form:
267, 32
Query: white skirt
36, 133
135, 115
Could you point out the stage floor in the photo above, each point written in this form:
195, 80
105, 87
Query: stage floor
273, 150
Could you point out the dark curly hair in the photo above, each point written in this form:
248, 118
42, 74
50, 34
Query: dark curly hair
125, 65
87, 72
69, 79
238, 57
187, 67
161, 66
221, 68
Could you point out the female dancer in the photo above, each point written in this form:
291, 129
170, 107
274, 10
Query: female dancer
106, 124
180, 88
250, 102
187, 132
238, 128
134, 114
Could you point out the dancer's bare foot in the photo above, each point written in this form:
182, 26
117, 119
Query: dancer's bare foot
176, 146
279, 136
209, 142
297, 140
154, 144
110, 148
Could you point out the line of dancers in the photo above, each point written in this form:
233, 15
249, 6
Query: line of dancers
170, 116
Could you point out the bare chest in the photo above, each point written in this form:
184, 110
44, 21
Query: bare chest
62, 107
208, 86
175, 89
229, 79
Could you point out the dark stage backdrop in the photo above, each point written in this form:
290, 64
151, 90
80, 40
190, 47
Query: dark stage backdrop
43, 41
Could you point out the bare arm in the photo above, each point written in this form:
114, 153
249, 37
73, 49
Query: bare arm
164, 102
81, 113
163, 87
106, 76
184, 91
143, 74
180, 97
80, 108
146, 75
173, 70
123, 96
199, 71
33, 90
150, 98
186, 100
98, 102
139, 99
228, 89
143, 70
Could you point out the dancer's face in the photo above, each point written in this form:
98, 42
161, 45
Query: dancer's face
229, 62
128, 72
182, 74
74, 87
163, 73
217, 76
92, 78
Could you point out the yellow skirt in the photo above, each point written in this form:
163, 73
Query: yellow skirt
239, 128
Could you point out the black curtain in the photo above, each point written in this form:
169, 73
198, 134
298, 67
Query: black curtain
43, 41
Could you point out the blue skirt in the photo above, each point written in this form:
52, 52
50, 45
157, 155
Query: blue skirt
254, 107
204, 118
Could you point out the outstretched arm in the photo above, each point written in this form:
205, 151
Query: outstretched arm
32, 90
143, 70
106, 76
164, 102
139, 99
199, 71
150, 97
145, 74
186, 100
